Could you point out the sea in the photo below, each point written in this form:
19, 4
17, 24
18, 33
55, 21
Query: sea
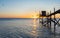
26, 28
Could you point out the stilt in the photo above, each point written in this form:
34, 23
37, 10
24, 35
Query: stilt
42, 20
50, 20
54, 23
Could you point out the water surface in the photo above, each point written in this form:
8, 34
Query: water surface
25, 28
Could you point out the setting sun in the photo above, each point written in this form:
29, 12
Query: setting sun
34, 16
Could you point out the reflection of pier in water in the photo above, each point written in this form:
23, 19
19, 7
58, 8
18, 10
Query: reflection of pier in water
49, 19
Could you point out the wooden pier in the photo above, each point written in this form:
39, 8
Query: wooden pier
49, 19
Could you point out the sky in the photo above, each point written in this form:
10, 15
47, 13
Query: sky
26, 8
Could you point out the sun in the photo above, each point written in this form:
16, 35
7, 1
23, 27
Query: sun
34, 16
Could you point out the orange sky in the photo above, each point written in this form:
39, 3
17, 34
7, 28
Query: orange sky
28, 15
16, 16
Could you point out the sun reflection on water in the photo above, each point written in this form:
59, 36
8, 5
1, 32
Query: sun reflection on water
34, 30
34, 24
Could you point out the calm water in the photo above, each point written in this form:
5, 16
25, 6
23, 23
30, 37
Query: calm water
25, 28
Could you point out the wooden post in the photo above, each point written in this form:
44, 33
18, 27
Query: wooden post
54, 23
50, 20
42, 20
47, 21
